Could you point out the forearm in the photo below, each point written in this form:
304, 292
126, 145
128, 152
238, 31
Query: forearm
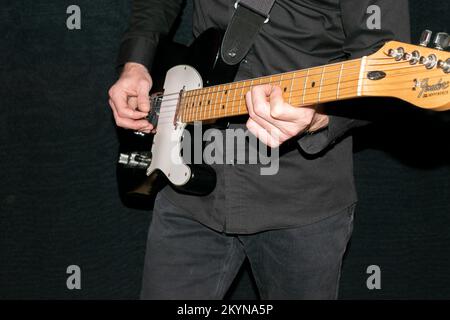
150, 19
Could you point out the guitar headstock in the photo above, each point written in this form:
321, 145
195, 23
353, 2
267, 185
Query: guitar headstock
416, 74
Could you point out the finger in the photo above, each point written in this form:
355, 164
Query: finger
256, 114
120, 100
260, 100
132, 103
279, 109
129, 123
263, 135
143, 96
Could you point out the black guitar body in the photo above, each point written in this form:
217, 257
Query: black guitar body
138, 190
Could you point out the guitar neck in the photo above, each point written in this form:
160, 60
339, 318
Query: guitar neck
311, 86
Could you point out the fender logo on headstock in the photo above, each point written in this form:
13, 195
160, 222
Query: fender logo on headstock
429, 90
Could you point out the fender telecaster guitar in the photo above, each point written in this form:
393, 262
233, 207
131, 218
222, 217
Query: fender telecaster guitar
202, 90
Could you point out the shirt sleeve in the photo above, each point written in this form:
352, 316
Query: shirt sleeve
360, 40
149, 20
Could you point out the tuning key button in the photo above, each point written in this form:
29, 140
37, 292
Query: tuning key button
398, 54
442, 41
445, 66
425, 38
415, 57
429, 62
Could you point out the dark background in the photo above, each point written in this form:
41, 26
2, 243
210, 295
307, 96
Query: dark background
59, 203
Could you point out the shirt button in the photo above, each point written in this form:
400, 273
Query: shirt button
245, 61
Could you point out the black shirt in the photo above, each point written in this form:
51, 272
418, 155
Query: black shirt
315, 177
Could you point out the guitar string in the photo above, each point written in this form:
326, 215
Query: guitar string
302, 71
193, 113
285, 73
200, 114
196, 96
279, 74
167, 109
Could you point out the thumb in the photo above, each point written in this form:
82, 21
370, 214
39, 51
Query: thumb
143, 101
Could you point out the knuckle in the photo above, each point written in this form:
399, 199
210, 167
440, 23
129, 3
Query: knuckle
290, 133
251, 112
144, 84
122, 113
119, 122
276, 111
259, 109
111, 91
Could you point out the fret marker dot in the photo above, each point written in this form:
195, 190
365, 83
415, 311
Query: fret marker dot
313, 84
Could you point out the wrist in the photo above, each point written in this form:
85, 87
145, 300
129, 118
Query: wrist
131, 66
319, 123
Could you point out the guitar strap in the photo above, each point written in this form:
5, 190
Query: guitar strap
247, 21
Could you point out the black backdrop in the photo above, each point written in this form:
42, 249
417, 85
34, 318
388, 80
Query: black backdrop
59, 202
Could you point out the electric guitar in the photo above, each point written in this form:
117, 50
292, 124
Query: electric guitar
201, 88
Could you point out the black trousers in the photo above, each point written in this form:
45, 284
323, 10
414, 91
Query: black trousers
187, 260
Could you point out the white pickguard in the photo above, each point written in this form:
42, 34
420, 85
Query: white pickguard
166, 146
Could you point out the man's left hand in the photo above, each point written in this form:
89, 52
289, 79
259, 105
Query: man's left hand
273, 121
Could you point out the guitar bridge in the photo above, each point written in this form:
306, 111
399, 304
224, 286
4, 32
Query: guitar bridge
176, 118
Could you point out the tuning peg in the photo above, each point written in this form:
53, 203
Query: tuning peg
442, 41
425, 38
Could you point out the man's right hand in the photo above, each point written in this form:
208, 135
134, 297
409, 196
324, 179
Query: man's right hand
129, 98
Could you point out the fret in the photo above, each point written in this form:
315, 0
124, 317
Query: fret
227, 96
191, 106
349, 79
236, 100
329, 83
199, 105
203, 104
221, 109
242, 96
217, 88
292, 86
285, 85
234, 97
211, 102
321, 83
304, 87
194, 106
207, 103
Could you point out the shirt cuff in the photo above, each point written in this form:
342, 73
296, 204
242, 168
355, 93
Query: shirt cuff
314, 143
138, 49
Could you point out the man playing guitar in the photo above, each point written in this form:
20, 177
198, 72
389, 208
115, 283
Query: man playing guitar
293, 226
